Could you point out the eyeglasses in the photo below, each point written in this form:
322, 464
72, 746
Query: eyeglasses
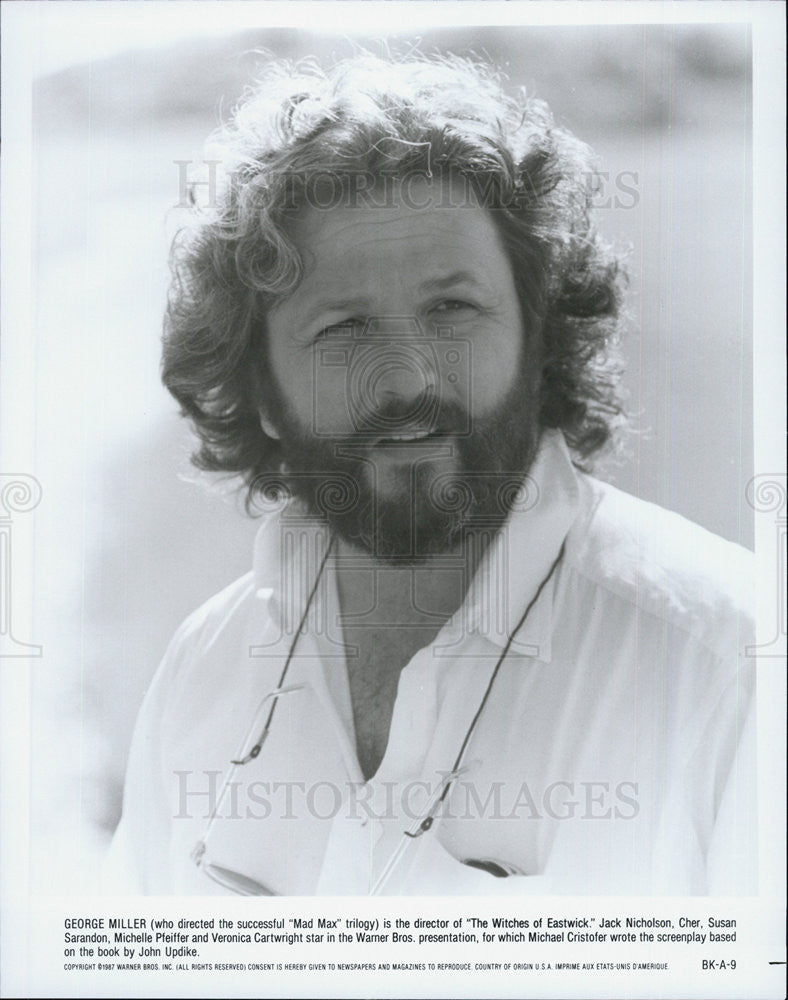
241, 884
245, 886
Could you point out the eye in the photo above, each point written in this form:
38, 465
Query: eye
452, 306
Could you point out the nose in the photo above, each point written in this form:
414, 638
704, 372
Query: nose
394, 388
394, 377
399, 373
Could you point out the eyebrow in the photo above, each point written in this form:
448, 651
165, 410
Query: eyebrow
439, 284
349, 306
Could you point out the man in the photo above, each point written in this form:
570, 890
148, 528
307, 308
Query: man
460, 663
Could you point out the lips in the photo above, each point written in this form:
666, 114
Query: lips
409, 436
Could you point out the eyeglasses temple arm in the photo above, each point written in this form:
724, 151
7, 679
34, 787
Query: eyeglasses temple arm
420, 827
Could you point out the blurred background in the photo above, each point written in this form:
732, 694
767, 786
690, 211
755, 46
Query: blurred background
127, 540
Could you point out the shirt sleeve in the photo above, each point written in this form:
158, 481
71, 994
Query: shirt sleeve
721, 790
732, 859
136, 862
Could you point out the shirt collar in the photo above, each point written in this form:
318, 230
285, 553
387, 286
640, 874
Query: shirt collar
290, 546
289, 550
520, 557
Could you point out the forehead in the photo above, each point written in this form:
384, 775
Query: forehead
426, 228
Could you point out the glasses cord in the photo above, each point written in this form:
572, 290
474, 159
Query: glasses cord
261, 739
428, 820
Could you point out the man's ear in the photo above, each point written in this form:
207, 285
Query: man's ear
267, 424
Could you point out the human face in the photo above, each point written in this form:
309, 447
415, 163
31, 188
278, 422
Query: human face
401, 361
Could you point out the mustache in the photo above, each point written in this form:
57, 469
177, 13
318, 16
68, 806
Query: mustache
427, 413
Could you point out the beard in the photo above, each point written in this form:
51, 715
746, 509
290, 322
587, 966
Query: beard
463, 478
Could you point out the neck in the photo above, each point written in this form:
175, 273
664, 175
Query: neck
423, 593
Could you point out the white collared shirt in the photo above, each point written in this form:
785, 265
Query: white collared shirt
612, 756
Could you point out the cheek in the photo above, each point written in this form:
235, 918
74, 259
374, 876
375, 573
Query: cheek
496, 365
314, 387
293, 378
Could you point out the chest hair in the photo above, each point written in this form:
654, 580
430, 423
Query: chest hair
374, 676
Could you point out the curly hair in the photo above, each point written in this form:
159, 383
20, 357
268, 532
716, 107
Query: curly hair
376, 118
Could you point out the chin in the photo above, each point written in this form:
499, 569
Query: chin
391, 531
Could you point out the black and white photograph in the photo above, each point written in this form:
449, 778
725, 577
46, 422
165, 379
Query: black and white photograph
392, 504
